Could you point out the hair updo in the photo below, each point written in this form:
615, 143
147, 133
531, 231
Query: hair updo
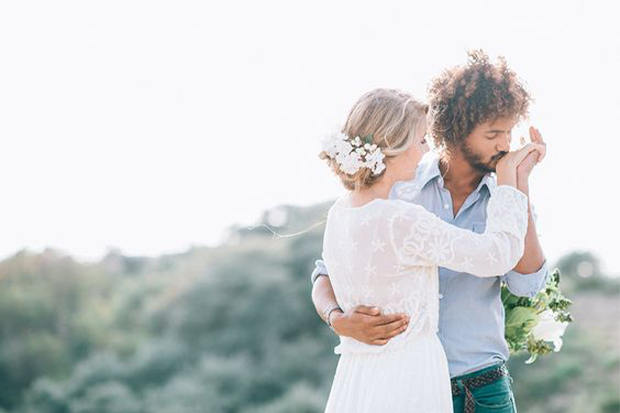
391, 117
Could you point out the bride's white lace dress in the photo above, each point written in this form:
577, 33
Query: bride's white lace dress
386, 253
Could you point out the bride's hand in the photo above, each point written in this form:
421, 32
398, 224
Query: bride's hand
525, 168
506, 168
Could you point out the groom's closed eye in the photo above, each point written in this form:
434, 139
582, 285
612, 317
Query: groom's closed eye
494, 133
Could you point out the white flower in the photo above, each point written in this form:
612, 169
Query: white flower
328, 146
334, 143
374, 161
548, 329
344, 147
378, 246
352, 154
378, 167
350, 162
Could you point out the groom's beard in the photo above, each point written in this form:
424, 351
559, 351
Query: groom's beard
475, 160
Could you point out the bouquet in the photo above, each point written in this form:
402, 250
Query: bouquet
537, 324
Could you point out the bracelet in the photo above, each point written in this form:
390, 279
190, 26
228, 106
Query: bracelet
315, 276
328, 312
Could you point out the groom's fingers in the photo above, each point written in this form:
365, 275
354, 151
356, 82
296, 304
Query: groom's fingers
396, 327
522, 153
528, 164
389, 335
396, 330
363, 309
389, 319
375, 328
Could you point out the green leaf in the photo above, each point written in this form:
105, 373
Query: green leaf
520, 321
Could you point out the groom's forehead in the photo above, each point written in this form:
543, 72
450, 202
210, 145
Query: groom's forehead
499, 125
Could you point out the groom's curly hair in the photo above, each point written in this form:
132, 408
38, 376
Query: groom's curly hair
480, 91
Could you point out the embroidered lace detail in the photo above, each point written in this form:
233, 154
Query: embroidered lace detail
387, 253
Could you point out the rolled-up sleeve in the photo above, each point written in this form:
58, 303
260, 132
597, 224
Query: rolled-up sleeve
527, 285
319, 269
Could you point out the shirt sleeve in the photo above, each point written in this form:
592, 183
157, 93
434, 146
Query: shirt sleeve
421, 238
527, 285
319, 269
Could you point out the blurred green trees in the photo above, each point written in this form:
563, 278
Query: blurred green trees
232, 329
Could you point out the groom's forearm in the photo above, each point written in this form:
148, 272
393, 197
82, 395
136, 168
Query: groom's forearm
323, 296
364, 323
533, 255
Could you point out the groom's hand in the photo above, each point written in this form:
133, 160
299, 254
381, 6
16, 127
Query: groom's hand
368, 325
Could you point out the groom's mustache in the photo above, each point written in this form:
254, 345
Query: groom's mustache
498, 156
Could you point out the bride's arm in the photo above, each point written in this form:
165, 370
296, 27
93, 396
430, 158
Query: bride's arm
424, 238
421, 238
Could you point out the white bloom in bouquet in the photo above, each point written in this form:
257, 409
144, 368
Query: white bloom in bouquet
549, 329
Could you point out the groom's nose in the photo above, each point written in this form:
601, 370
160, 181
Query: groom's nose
503, 144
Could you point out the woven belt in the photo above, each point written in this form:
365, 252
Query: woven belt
476, 382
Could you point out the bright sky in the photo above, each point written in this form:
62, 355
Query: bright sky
153, 125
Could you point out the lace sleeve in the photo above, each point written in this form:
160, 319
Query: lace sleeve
420, 238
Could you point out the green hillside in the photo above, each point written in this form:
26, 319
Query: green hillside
232, 329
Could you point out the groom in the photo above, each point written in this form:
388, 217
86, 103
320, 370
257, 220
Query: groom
476, 107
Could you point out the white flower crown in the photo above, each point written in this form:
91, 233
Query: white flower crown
353, 154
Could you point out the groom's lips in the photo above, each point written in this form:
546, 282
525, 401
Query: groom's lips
497, 157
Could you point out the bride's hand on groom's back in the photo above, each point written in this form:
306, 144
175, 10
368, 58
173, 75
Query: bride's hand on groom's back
369, 325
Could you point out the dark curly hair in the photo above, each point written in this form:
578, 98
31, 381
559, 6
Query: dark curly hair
465, 96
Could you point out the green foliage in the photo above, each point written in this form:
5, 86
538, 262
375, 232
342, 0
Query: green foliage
519, 322
585, 375
232, 329
523, 314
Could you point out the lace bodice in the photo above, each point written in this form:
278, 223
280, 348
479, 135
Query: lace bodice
386, 254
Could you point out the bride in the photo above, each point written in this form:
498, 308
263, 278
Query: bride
385, 253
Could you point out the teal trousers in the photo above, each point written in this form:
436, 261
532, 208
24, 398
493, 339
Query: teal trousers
496, 397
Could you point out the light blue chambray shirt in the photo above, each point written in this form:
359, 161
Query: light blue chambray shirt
471, 314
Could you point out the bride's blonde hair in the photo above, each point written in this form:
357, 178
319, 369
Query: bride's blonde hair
392, 117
